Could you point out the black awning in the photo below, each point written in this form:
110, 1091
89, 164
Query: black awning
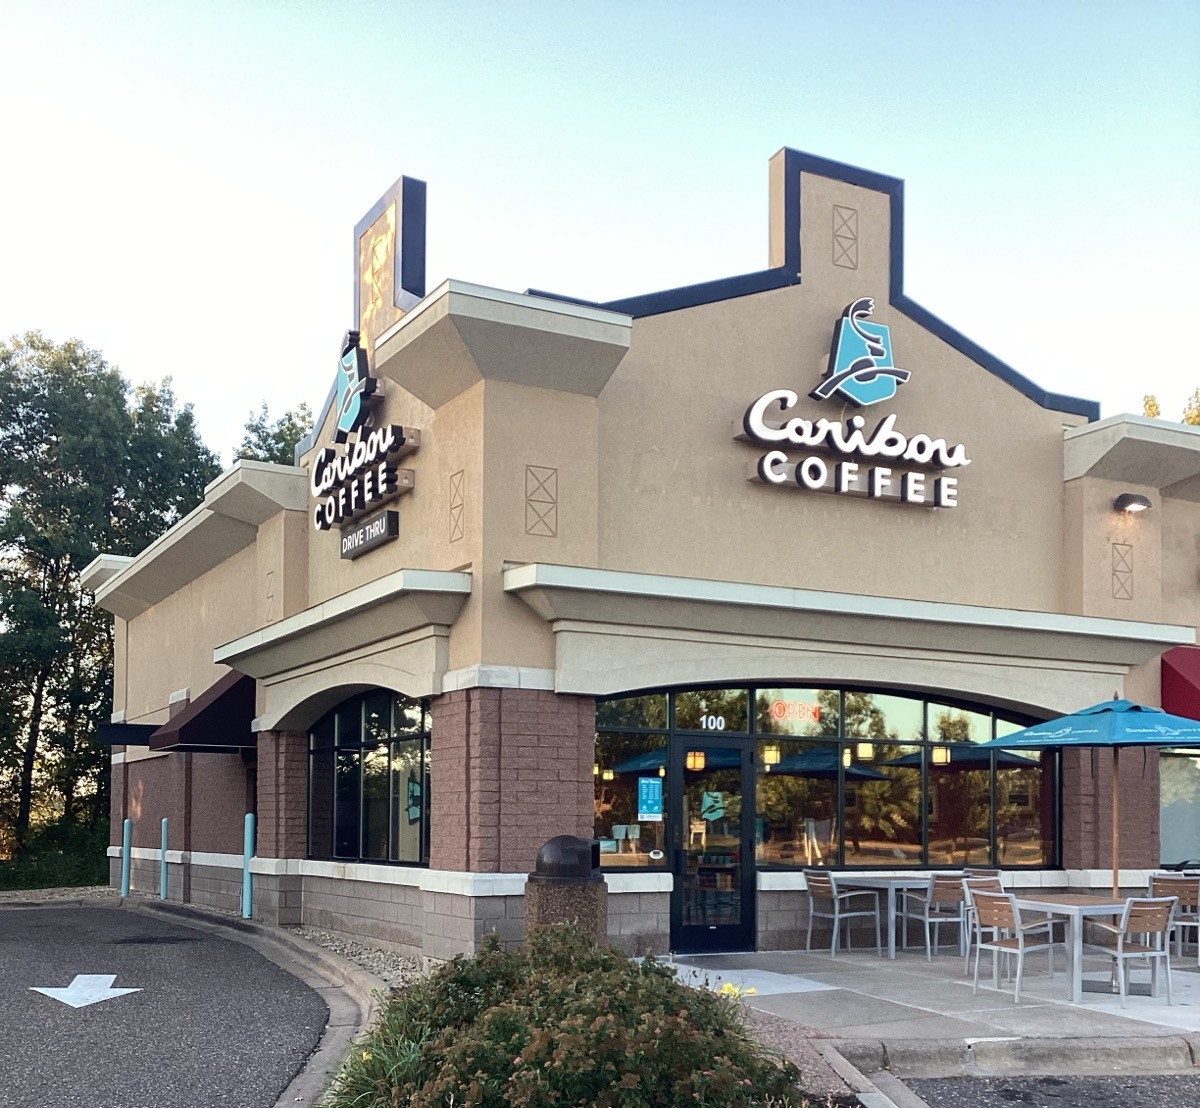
216, 722
124, 734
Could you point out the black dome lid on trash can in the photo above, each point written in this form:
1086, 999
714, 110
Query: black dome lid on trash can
567, 859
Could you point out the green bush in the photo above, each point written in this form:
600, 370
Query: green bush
560, 1022
59, 855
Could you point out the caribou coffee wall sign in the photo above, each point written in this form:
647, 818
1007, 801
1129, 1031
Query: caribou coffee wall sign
361, 474
881, 463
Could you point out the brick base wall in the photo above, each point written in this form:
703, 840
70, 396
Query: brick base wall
282, 794
511, 769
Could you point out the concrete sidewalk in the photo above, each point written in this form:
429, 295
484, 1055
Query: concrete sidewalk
919, 1019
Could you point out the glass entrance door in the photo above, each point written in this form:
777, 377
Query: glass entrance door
712, 903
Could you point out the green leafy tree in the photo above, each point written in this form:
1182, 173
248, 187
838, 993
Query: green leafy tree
275, 442
86, 467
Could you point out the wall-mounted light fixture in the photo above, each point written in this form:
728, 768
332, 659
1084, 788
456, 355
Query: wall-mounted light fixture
941, 755
662, 771
1132, 502
595, 769
607, 775
847, 757
771, 754
864, 752
695, 759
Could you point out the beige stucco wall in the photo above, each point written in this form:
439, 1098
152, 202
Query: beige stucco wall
674, 497
170, 645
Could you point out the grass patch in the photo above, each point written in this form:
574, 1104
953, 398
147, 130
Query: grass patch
562, 1022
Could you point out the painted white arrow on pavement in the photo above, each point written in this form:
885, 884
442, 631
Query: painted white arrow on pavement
87, 988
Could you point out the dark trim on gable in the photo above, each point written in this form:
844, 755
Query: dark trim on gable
708, 292
790, 273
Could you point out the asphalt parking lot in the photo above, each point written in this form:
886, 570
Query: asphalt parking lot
213, 1022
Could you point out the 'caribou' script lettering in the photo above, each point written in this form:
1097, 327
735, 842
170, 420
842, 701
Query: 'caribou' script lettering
847, 438
360, 476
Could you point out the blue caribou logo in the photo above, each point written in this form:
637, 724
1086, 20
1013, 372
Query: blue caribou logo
860, 362
354, 387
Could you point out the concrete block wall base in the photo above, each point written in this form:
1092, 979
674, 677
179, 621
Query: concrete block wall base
639, 924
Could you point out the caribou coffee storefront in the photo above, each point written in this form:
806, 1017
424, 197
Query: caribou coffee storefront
734, 578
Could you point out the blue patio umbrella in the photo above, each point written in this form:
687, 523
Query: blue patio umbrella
656, 759
970, 756
1112, 723
823, 764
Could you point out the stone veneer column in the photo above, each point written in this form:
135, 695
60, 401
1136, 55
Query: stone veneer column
511, 769
282, 822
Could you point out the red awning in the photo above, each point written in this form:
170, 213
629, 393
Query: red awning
216, 722
1181, 681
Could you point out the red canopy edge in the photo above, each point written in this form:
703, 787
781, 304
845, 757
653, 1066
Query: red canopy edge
1181, 681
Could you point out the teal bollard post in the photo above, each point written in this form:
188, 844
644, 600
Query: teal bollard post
247, 854
162, 865
126, 855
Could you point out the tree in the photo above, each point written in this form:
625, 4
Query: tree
85, 468
275, 442
1191, 410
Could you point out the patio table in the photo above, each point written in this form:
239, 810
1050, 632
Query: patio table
891, 883
1075, 908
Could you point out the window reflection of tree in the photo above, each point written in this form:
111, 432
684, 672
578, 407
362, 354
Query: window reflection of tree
730, 705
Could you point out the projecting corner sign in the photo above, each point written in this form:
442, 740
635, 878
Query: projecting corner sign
351, 482
861, 372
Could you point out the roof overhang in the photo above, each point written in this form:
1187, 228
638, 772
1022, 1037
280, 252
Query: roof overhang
461, 334
1148, 452
227, 520
570, 594
383, 609
216, 722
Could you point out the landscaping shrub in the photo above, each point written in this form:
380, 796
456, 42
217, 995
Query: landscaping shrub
561, 1022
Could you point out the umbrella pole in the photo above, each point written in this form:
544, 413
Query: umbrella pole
1116, 817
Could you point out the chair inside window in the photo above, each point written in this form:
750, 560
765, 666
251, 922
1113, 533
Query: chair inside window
826, 901
941, 902
1143, 931
997, 915
1187, 914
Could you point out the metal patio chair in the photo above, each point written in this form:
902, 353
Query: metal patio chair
942, 902
1187, 890
969, 885
998, 914
837, 906
1144, 931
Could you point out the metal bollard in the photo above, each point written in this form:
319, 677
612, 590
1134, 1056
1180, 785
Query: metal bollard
162, 864
126, 855
247, 854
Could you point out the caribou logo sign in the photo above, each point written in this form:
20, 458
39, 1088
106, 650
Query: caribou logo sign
860, 371
362, 475
860, 361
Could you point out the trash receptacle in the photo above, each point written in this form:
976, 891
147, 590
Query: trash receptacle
567, 886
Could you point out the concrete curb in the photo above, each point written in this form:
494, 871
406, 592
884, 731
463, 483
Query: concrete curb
869, 1094
1159, 1054
350, 992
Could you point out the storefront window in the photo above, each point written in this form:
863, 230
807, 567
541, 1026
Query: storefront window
369, 781
843, 777
957, 725
809, 712
717, 711
797, 792
631, 795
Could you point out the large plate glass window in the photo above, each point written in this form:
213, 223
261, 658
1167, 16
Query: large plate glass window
369, 781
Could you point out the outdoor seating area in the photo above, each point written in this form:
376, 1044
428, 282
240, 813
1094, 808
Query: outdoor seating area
1101, 940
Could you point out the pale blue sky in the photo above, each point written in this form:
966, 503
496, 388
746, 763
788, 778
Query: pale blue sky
180, 181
